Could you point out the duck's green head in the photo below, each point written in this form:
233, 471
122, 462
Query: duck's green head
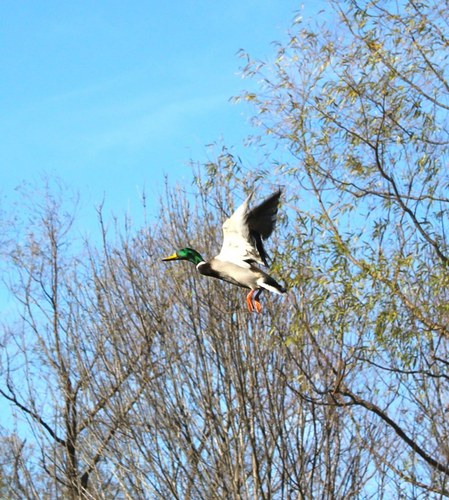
186, 254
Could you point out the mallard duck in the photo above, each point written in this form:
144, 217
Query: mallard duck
242, 250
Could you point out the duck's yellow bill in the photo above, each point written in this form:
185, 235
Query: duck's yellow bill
171, 257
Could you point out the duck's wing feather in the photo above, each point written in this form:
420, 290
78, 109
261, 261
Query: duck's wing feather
262, 220
244, 230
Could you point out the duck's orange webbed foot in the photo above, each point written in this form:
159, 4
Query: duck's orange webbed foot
252, 301
249, 301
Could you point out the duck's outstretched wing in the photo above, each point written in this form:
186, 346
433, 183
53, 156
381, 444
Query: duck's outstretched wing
244, 231
262, 220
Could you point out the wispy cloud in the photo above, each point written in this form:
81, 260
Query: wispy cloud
141, 123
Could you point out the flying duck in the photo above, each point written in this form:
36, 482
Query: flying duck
242, 251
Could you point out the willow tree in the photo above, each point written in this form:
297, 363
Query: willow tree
359, 106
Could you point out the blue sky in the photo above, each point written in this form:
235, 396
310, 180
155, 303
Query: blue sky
108, 96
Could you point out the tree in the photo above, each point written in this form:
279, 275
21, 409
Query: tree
153, 382
361, 108
71, 358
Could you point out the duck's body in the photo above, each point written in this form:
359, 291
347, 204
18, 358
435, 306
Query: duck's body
246, 277
242, 250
